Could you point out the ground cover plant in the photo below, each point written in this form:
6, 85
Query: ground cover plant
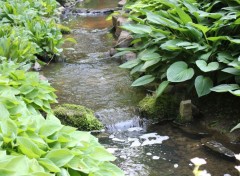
32, 140
35, 24
186, 41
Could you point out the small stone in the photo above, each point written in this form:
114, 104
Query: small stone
120, 21
122, 3
219, 148
37, 66
175, 165
124, 39
113, 51
129, 56
149, 154
185, 111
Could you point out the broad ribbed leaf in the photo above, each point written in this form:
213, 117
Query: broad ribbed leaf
49, 165
27, 147
4, 114
161, 88
101, 154
184, 16
150, 63
179, 72
143, 80
130, 64
137, 28
232, 71
212, 66
59, 157
225, 87
203, 85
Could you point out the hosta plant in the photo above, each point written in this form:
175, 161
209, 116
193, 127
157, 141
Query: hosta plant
185, 41
31, 144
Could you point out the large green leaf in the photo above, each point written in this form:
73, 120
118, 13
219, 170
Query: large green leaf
29, 148
161, 88
130, 64
143, 80
137, 28
232, 71
150, 63
49, 165
212, 66
203, 85
179, 72
184, 16
225, 87
59, 157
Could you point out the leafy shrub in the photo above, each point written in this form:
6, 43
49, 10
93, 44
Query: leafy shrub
33, 145
40, 31
190, 40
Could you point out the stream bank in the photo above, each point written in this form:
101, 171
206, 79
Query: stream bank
90, 77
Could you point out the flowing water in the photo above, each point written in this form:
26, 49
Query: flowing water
91, 78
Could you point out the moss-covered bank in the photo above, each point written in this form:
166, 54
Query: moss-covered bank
77, 116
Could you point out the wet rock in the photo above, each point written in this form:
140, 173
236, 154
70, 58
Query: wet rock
77, 116
122, 3
112, 51
185, 111
120, 21
218, 148
160, 109
37, 67
129, 56
124, 39
114, 20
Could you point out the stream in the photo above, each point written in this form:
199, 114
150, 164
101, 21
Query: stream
90, 77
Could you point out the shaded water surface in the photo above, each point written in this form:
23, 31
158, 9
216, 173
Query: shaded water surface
90, 77
97, 4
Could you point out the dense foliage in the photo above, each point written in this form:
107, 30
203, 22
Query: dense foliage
28, 28
33, 145
185, 41
30, 143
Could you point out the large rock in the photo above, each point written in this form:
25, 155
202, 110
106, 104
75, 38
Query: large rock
160, 109
118, 23
124, 39
77, 116
218, 148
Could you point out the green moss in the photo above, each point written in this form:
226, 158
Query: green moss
162, 108
64, 29
77, 116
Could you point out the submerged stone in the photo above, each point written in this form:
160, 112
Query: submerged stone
161, 108
218, 148
77, 116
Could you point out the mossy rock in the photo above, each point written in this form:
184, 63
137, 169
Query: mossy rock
77, 116
64, 29
161, 108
